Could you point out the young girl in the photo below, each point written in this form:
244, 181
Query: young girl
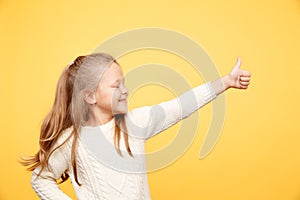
90, 136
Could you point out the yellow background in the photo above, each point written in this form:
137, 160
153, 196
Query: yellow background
258, 154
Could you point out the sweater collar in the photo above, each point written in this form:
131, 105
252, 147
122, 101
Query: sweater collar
107, 126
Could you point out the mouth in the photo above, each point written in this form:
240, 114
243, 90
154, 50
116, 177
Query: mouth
123, 100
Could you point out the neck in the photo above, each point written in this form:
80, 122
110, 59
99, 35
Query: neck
99, 118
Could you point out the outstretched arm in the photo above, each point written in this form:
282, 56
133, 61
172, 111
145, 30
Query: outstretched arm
152, 120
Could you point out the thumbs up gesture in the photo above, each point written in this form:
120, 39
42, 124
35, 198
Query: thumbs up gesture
239, 78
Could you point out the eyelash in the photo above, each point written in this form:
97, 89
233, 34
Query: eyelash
117, 86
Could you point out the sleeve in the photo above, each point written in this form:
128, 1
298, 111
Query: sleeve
45, 185
151, 120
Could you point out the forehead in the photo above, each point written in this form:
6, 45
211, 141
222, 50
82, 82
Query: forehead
112, 73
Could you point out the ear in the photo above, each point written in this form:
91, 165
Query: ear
89, 97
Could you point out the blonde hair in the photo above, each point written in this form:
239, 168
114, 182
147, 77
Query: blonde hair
71, 110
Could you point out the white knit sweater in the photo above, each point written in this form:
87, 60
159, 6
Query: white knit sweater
101, 171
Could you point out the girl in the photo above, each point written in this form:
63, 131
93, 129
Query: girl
91, 138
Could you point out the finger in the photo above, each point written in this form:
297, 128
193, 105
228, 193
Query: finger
246, 73
243, 87
244, 78
244, 83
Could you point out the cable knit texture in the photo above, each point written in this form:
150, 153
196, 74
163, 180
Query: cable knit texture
103, 173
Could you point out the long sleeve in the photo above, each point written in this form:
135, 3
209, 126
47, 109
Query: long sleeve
151, 120
45, 185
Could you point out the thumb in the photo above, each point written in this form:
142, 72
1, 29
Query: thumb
238, 63
236, 67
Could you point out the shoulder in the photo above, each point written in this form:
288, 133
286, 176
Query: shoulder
65, 138
62, 146
139, 116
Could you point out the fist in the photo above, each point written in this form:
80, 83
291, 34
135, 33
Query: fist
239, 78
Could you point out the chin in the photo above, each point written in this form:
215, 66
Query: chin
120, 111
124, 111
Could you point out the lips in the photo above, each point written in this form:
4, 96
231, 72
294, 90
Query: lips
122, 100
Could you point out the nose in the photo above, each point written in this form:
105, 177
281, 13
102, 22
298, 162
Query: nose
124, 90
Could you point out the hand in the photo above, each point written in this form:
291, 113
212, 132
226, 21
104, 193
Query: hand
239, 78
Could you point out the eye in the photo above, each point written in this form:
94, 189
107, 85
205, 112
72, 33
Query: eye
116, 86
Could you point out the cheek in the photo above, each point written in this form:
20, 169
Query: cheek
115, 95
104, 97
109, 97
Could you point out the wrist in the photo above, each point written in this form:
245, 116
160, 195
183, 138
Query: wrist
226, 82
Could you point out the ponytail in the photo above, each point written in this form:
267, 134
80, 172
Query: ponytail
57, 120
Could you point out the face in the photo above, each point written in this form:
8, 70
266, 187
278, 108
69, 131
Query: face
111, 94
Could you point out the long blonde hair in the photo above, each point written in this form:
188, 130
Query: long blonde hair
71, 110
